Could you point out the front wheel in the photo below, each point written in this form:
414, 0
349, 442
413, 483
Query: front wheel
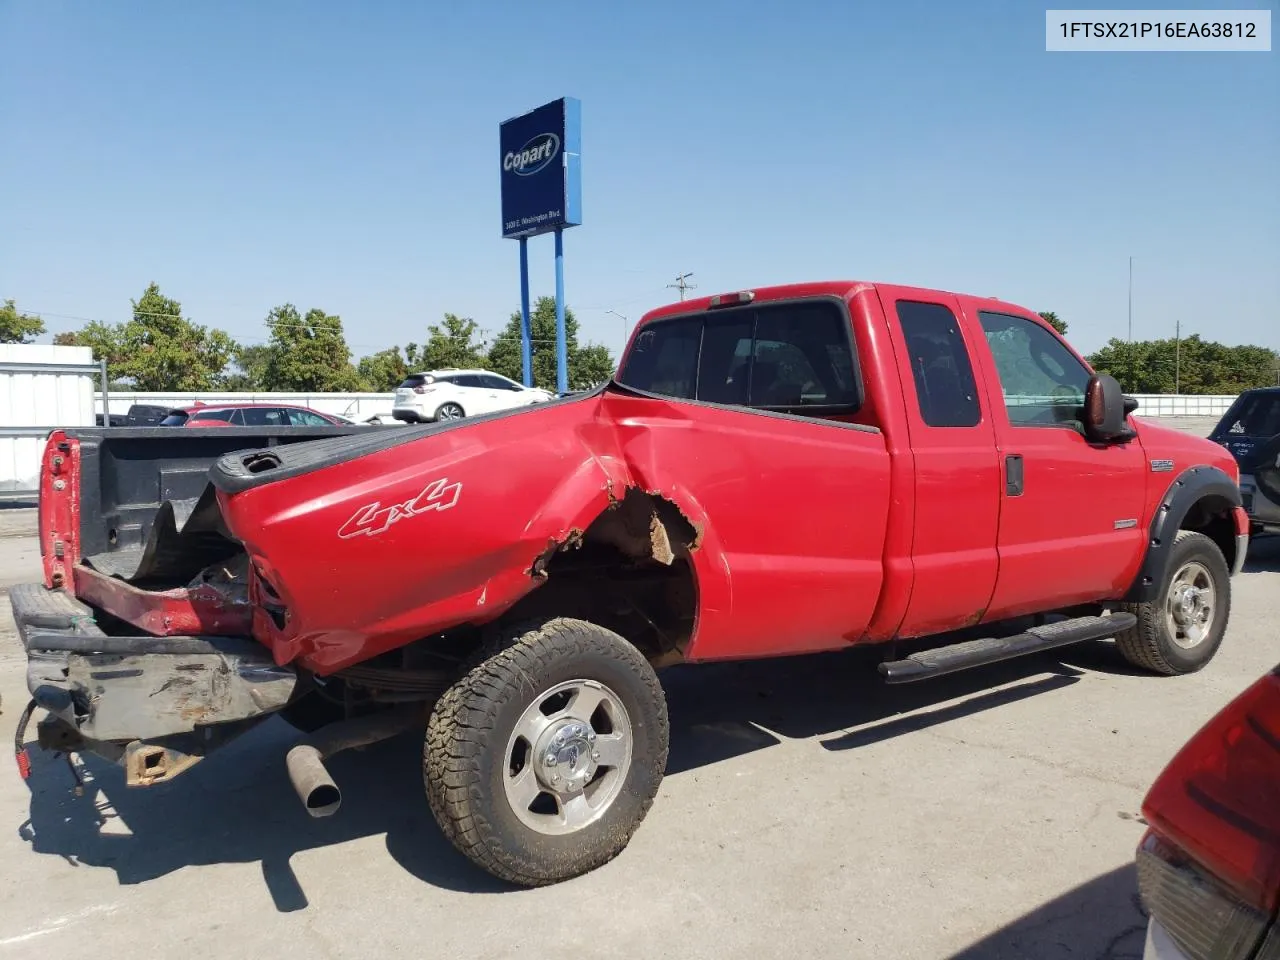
541, 762
1181, 629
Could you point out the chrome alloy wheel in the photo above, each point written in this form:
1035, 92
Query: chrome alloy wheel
568, 757
1191, 605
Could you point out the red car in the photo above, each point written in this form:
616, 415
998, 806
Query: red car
1209, 865
773, 472
249, 415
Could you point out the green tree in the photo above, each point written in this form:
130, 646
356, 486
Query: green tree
18, 327
307, 353
251, 364
591, 366
451, 343
1189, 365
1054, 321
159, 349
384, 370
587, 366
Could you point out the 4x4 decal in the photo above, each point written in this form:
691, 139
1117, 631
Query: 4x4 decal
373, 519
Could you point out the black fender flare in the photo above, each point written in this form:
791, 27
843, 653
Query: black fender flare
1188, 488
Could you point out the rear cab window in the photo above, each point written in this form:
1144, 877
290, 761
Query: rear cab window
175, 418
791, 357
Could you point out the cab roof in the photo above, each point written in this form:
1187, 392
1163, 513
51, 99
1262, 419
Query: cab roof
843, 289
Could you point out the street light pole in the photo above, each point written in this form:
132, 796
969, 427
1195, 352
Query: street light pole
625, 321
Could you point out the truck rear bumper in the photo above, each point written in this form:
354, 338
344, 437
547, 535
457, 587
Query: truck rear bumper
156, 705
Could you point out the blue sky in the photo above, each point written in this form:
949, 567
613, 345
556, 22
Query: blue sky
344, 155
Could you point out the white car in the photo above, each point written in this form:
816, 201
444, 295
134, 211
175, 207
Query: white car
453, 394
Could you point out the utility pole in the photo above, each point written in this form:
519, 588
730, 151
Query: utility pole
682, 284
1131, 299
1177, 357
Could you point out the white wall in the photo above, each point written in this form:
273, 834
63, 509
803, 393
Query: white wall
33, 402
1169, 405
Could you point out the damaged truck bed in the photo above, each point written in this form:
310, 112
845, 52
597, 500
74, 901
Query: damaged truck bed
772, 472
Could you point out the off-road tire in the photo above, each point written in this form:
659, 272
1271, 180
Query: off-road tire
1150, 644
464, 758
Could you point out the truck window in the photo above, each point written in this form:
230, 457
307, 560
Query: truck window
802, 358
785, 357
1043, 383
945, 388
664, 359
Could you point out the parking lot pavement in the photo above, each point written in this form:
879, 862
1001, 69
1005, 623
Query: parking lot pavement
808, 811
1200, 426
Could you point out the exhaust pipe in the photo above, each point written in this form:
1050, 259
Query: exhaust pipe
305, 760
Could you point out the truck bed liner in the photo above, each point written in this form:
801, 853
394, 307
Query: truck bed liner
186, 537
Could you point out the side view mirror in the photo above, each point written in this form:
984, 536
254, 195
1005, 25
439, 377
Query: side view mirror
1106, 410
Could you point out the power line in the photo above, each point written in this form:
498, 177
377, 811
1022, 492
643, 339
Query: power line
682, 284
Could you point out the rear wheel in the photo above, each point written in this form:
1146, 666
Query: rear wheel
449, 411
1181, 629
541, 762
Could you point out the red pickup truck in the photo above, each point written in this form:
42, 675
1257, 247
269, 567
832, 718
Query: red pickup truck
773, 472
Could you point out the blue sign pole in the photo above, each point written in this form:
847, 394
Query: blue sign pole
562, 360
541, 160
526, 327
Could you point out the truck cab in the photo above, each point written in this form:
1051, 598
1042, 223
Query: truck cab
996, 495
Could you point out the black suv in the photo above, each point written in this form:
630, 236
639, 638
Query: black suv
1250, 429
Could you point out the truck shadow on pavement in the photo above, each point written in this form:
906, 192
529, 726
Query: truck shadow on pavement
238, 807
719, 711
1099, 920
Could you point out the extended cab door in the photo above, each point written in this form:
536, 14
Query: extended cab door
1071, 512
956, 491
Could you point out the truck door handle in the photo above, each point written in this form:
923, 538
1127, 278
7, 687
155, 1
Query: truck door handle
1013, 475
